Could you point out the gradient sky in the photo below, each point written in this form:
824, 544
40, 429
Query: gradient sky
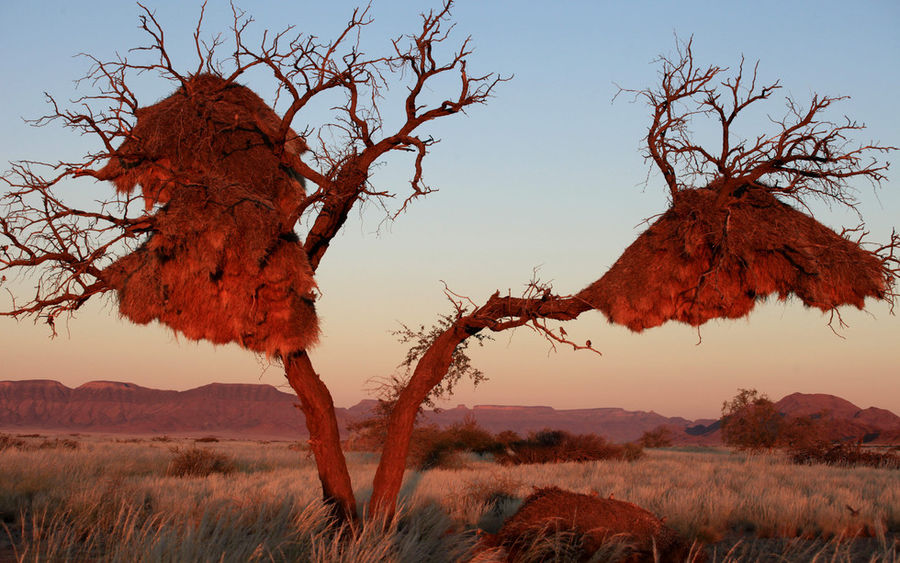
548, 175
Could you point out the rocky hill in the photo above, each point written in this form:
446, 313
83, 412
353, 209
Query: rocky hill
262, 411
844, 420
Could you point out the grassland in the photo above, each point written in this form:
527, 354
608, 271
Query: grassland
112, 500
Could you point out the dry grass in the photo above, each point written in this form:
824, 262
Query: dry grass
112, 500
198, 462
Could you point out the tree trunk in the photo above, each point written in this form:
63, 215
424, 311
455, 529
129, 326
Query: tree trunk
430, 370
324, 436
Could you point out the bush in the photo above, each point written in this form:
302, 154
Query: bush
206, 439
802, 432
847, 455
659, 437
59, 443
557, 446
7, 441
198, 462
750, 422
432, 447
470, 437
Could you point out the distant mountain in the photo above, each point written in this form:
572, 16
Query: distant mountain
107, 406
262, 411
843, 420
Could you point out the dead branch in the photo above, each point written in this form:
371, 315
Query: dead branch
806, 154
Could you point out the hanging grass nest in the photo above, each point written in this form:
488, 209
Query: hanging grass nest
222, 262
705, 259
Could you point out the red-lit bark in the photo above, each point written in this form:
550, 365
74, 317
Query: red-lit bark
324, 434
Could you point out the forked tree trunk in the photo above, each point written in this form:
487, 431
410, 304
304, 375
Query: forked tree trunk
324, 436
430, 370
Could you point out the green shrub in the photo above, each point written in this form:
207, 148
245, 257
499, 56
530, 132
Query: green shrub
198, 462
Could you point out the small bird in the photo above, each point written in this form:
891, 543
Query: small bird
562, 332
587, 343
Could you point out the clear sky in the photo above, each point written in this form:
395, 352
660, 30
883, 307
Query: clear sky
548, 175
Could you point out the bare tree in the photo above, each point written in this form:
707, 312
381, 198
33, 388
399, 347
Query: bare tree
72, 250
805, 154
76, 254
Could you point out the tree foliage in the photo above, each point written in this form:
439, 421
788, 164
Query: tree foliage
659, 437
751, 422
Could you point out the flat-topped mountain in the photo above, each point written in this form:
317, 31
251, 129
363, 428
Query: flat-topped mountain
263, 411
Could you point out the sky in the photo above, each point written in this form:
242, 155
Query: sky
548, 175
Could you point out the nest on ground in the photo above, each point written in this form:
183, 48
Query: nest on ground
705, 259
595, 521
222, 262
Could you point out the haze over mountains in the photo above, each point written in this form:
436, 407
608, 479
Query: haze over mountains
262, 411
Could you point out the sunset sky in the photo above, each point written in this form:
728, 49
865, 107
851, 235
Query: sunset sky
548, 175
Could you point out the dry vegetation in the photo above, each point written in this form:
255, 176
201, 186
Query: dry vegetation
434, 447
115, 500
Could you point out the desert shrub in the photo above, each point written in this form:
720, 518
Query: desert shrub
7, 441
299, 447
750, 422
198, 462
632, 451
659, 437
846, 455
507, 437
470, 437
802, 433
557, 446
64, 443
431, 447
163, 438
206, 439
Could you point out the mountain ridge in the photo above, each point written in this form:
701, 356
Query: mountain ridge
262, 411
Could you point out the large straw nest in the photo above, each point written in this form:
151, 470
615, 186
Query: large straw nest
209, 127
222, 263
705, 258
